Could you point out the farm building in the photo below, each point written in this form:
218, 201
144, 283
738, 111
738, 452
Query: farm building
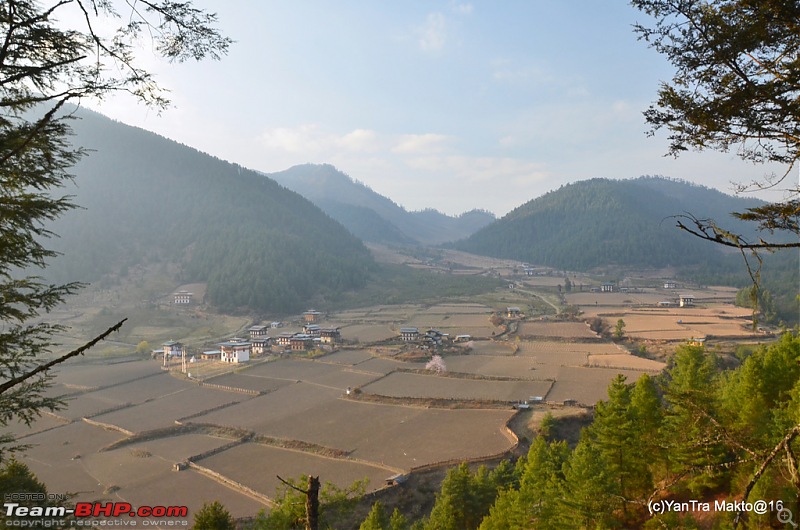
182, 297
301, 342
670, 285
686, 300
311, 329
235, 350
284, 338
462, 338
172, 348
513, 312
329, 335
311, 315
258, 331
409, 334
259, 346
607, 287
211, 355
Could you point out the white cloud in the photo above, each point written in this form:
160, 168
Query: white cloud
360, 140
411, 144
461, 8
432, 34
314, 140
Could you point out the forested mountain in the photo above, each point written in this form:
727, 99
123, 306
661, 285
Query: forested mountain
146, 199
602, 222
371, 216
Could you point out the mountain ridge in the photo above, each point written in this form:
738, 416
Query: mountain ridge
335, 192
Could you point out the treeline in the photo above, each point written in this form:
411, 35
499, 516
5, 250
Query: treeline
147, 200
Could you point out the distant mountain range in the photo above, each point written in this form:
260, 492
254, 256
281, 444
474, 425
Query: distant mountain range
373, 217
260, 246
146, 199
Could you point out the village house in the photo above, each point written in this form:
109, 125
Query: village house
182, 297
329, 335
686, 300
301, 342
235, 350
312, 329
312, 315
284, 338
172, 349
211, 355
607, 287
513, 312
670, 285
436, 337
260, 346
258, 332
409, 334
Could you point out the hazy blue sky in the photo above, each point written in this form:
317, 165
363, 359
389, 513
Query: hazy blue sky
440, 104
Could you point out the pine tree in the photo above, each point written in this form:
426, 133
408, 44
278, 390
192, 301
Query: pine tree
213, 516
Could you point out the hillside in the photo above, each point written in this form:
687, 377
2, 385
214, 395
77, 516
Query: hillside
602, 222
146, 200
371, 216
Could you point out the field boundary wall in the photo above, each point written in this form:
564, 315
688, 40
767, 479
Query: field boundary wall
234, 485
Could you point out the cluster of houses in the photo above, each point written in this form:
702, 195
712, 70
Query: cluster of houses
239, 350
430, 338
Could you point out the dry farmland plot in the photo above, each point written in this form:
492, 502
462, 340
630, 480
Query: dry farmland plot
491, 347
548, 328
586, 385
269, 462
57, 457
317, 372
623, 360
564, 354
176, 448
96, 375
368, 332
399, 436
348, 357
163, 412
381, 365
260, 413
152, 481
459, 309
249, 381
401, 384
520, 367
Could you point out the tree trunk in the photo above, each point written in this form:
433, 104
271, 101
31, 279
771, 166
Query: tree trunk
312, 504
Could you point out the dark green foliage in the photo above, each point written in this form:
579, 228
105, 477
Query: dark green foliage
213, 516
16, 478
148, 199
599, 222
336, 506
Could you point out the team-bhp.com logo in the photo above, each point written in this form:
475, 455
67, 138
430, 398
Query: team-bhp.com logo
89, 514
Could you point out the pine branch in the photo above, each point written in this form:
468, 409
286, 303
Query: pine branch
44, 367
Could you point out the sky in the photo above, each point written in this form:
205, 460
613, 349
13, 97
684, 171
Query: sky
450, 105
